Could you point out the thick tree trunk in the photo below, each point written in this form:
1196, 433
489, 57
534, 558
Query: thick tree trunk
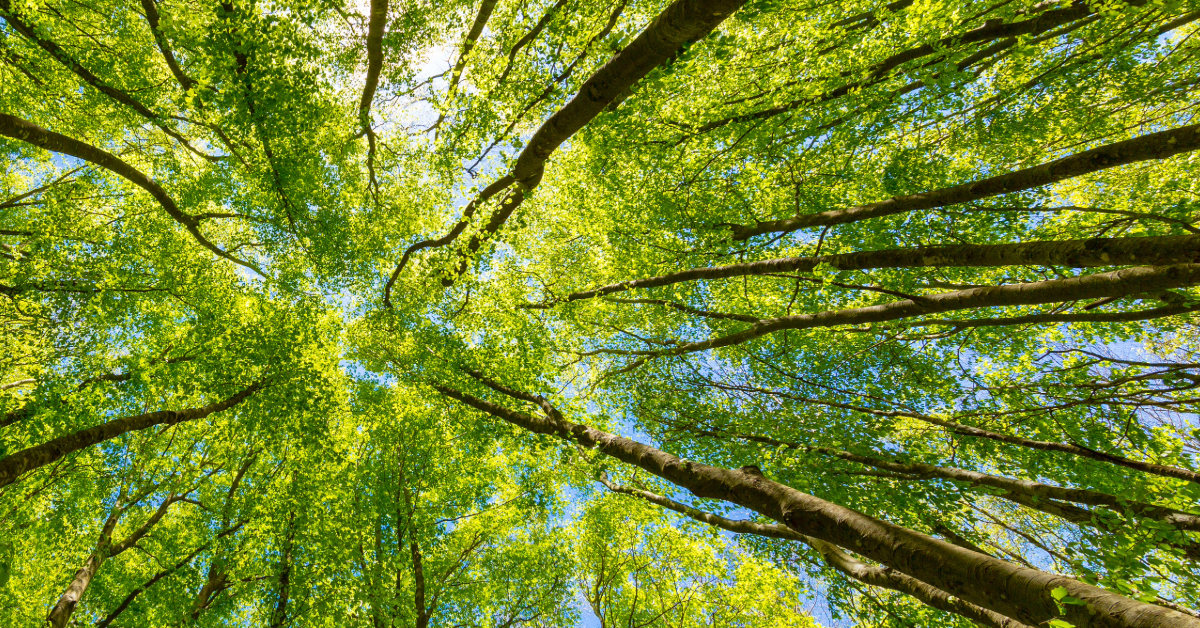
837, 559
13, 466
1018, 592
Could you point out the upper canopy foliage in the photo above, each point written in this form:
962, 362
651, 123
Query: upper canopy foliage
497, 313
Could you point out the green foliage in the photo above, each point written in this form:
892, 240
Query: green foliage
348, 492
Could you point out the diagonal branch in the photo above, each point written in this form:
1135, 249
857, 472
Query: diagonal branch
19, 129
1148, 147
12, 466
835, 558
129, 599
996, 585
152, 18
681, 22
99, 84
877, 73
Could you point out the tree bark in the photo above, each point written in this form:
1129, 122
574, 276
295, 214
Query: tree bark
72, 64
152, 19
1120, 283
419, 586
14, 465
867, 574
61, 613
481, 19
1088, 253
1148, 147
24, 131
1017, 592
679, 23
105, 549
375, 27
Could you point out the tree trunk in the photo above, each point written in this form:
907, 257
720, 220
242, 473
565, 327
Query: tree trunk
13, 466
1018, 592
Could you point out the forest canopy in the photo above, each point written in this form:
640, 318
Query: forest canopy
617, 313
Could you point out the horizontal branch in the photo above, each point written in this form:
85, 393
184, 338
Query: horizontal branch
1089, 253
1117, 283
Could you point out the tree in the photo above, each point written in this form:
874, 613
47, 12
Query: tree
653, 313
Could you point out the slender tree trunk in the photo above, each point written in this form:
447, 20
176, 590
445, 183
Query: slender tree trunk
116, 612
279, 616
61, 613
1089, 253
1148, 147
14, 465
419, 586
1018, 592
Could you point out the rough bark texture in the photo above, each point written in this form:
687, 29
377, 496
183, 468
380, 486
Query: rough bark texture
14, 465
1087, 253
1010, 590
19, 129
1159, 145
868, 574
